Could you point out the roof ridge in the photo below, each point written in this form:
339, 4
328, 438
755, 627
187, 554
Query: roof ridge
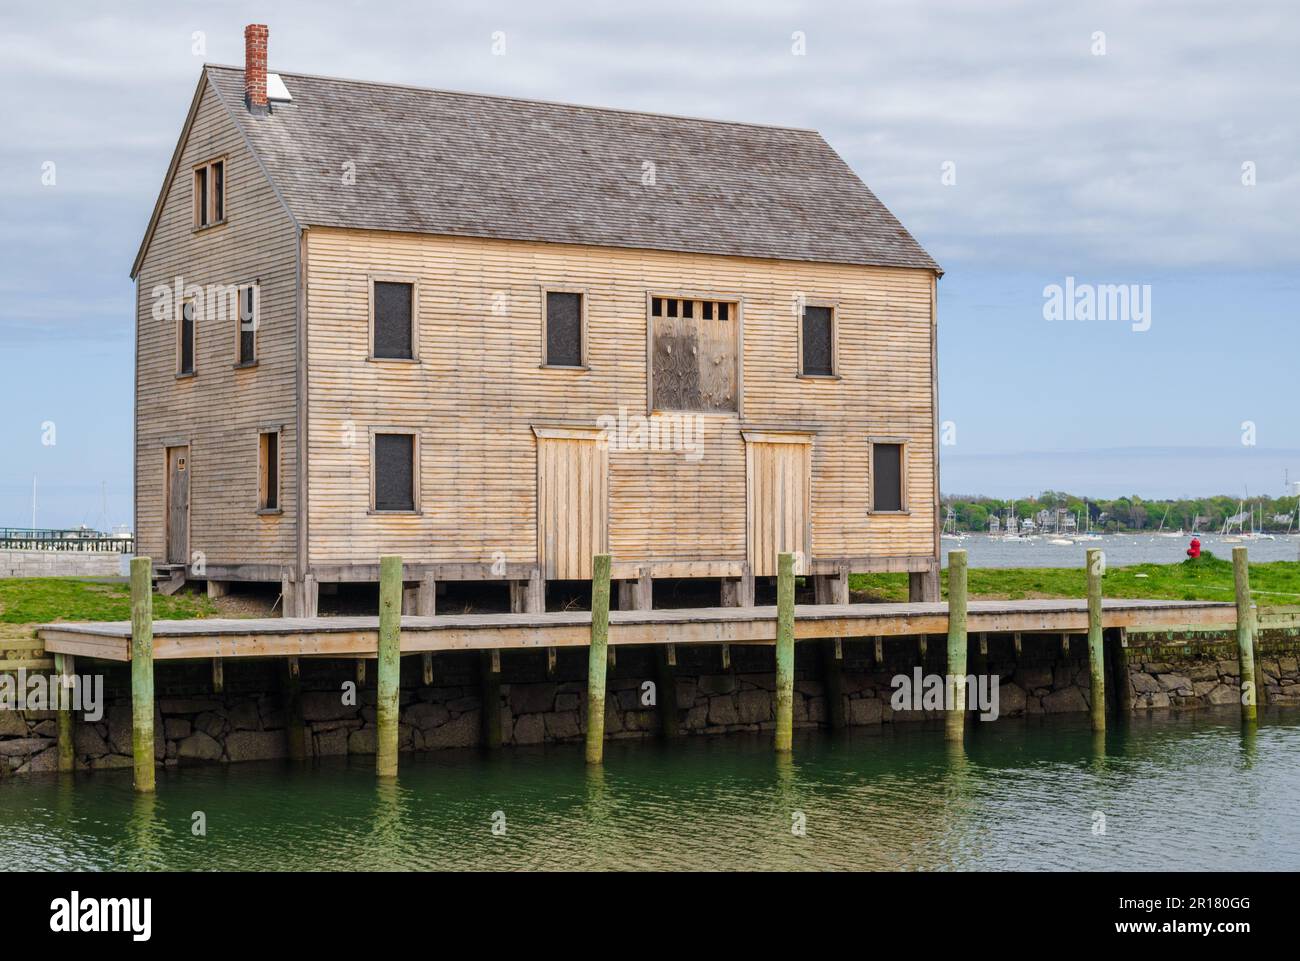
529, 100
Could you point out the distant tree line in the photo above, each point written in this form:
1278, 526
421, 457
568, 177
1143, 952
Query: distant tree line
1127, 513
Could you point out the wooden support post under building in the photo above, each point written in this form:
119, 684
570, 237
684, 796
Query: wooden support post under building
490, 677
295, 727
142, 733
65, 668
1245, 635
955, 719
833, 589
218, 675
784, 741
1096, 641
388, 665
597, 659
529, 597
426, 596
923, 586
736, 592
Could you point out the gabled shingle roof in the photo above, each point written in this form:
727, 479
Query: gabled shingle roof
432, 161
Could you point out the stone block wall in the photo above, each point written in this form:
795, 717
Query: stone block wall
248, 720
60, 563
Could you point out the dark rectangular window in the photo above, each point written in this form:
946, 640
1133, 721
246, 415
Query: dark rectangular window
247, 325
218, 191
393, 332
887, 477
268, 479
563, 330
656, 306
818, 340
722, 311
201, 194
186, 334
394, 472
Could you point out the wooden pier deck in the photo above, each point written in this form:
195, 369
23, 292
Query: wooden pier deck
359, 636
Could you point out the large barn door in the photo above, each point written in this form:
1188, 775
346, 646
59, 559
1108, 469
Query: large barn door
572, 501
778, 494
178, 505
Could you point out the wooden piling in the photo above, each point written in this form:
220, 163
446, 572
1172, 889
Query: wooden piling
142, 744
598, 659
295, 728
1096, 642
784, 741
833, 589
64, 666
490, 677
666, 691
955, 718
388, 665
1245, 635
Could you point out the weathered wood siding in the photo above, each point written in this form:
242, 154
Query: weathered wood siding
478, 389
218, 412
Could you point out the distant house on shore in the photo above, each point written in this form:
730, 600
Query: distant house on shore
496, 336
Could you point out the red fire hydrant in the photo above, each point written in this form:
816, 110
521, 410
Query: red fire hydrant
1195, 550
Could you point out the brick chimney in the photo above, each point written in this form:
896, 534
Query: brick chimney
255, 35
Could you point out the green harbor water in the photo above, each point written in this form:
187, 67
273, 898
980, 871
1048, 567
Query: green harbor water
1187, 792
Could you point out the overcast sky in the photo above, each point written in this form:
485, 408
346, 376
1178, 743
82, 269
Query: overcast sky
1022, 143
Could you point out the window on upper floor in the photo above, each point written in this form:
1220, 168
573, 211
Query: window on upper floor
694, 353
565, 329
185, 324
817, 353
250, 307
392, 319
210, 193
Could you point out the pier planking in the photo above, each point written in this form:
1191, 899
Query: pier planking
359, 636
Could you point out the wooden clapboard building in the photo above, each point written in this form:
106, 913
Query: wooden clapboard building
496, 336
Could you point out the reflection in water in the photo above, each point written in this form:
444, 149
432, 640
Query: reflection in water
1019, 794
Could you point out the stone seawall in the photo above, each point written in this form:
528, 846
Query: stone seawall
248, 720
60, 563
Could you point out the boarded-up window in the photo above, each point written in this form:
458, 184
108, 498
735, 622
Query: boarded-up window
818, 342
694, 354
563, 329
268, 471
394, 472
887, 477
393, 335
185, 336
248, 320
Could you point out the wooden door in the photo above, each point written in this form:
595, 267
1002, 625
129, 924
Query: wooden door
778, 494
572, 501
178, 505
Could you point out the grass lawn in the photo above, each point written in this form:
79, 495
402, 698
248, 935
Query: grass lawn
1206, 579
38, 600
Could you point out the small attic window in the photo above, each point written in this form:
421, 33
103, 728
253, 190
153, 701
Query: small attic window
210, 193
276, 91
